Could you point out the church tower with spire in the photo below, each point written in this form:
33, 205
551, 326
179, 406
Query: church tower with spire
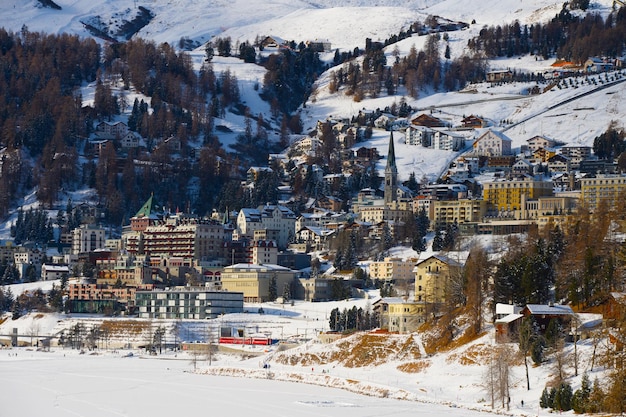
391, 174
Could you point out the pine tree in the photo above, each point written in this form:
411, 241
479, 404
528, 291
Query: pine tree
563, 397
580, 401
333, 322
273, 290
545, 401
286, 293
438, 242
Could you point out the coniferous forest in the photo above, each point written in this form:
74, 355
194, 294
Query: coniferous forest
45, 125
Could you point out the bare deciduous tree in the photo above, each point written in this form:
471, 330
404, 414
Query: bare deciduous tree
498, 376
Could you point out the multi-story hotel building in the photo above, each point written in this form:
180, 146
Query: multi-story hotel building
87, 238
602, 188
392, 269
270, 217
104, 292
506, 194
132, 271
178, 236
444, 212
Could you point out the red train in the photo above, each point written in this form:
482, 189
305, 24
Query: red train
262, 341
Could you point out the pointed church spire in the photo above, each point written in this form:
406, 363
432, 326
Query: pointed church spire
391, 174
391, 155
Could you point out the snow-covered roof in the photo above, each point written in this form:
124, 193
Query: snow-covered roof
505, 309
619, 297
56, 268
510, 318
257, 267
319, 231
456, 258
554, 309
393, 300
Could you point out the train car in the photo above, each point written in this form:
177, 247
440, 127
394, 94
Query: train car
254, 340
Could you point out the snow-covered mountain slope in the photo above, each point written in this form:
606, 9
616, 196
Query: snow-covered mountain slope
346, 24
342, 22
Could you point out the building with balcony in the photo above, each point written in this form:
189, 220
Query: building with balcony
576, 154
128, 270
602, 189
506, 194
433, 275
445, 212
87, 238
50, 272
393, 269
399, 315
99, 299
178, 236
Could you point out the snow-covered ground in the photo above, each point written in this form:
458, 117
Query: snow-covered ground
63, 383
301, 382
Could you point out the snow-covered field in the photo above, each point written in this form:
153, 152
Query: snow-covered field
109, 382
63, 383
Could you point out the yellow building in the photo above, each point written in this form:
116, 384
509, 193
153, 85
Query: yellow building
444, 212
376, 211
254, 280
392, 269
506, 195
602, 188
548, 210
434, 273
399, 315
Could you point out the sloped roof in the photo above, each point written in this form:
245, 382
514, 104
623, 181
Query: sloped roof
496, 133
507, 309
394, 300
319, 231
552, 310
391, 154
251, 214
457, 258
619, 297
148, 209
509, 318
258, 267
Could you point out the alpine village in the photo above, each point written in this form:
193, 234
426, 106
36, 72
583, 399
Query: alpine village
140, 184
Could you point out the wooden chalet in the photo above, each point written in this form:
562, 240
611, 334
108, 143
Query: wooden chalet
614, 309
273, 42
473, 122
542, 314
427, 121
499, 76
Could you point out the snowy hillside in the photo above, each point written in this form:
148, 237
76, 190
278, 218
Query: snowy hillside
383, 366
346, 25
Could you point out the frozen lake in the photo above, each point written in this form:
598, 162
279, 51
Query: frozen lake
67, 384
